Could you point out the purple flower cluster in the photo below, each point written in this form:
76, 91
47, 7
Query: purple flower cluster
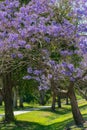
39, 76
34, 28
70, 71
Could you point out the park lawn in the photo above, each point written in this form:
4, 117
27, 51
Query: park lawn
1, 109
45, 119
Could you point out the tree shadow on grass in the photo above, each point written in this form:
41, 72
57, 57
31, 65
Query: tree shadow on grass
83, 106
59, 111
25, 125
25, 108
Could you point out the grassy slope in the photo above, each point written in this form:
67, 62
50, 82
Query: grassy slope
1, 109
47, 120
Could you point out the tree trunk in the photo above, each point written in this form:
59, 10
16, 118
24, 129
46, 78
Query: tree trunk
21, 101
75, 109
42, 97
53, 90
7, 95
53, 101
15, 97
1, 99
59, 102
67, 101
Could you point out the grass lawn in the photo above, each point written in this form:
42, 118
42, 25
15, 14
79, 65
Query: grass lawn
47, 120
1, 109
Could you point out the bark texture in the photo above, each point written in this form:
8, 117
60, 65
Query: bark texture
53, 101
59, 102
21, 101
74, 105
67, 101
42, 97
15, 95
54, 94
7, 96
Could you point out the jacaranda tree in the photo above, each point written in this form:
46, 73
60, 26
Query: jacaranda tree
40, 34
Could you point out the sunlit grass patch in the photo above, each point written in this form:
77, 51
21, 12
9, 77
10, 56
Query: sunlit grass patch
45, 119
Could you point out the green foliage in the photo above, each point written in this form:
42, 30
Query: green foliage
24, 1
56, 56
76, 59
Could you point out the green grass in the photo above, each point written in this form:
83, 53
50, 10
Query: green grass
1, 109
47, 120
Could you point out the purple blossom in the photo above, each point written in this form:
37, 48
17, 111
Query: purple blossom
43, 88
29, 70
37, 72
52, 62
37, 79
64, 64
49, 76
43, 77
66, 53
70, 67
14, 45
47, 39
72, 79
22, 43
20, 55
13, 55
27, 77
28, 46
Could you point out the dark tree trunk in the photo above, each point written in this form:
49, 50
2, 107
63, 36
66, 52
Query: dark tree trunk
42, 97
21, 101
59, 102
7, 96
53, 101
53, 90
15, 97
67, 101
75, 109
1, 93
1, 99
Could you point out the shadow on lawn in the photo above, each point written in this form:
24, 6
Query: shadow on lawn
83, 106
25, 125
25, 108
59, 111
